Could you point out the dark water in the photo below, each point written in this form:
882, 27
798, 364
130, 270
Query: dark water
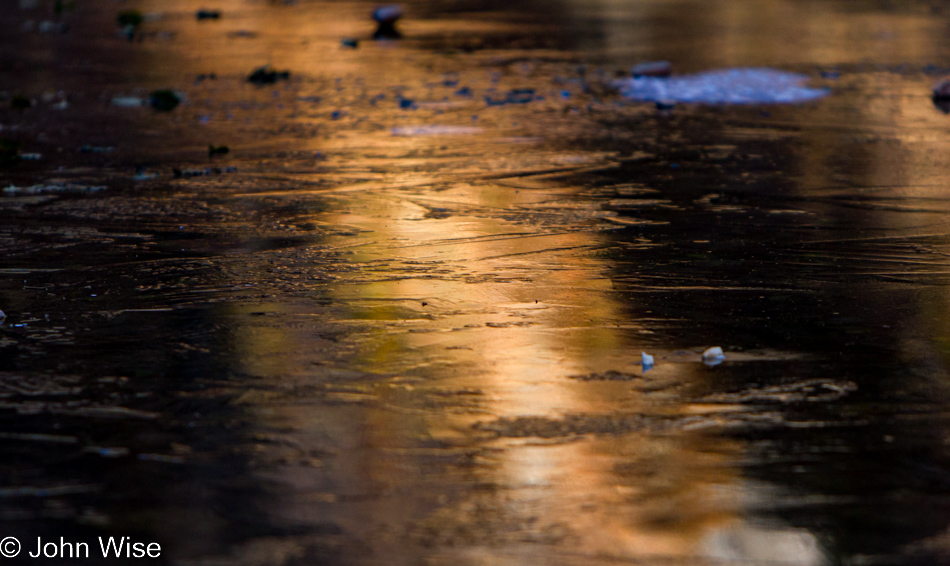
401, 321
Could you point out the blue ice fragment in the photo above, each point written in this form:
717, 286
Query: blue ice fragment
464, 91
724, 86
406, 103
514, 96
565, 94
520, 95
109, 452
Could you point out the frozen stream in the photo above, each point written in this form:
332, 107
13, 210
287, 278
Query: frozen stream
400, 320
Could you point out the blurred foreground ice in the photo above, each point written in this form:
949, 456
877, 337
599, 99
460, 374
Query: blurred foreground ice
748, 544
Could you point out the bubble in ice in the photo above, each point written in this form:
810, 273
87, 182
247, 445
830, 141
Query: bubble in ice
723, 86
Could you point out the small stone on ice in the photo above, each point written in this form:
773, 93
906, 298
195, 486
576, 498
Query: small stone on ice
646, 360
208, 14
387, 14
267, 76
713, 356
386, 17
941, 90
164, 100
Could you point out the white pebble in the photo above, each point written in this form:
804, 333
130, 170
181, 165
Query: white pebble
713, 356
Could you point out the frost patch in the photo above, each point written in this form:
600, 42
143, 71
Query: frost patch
54, 188
435, 130
724, 86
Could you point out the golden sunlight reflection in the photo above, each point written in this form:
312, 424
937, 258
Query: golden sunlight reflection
461, 301
454, 299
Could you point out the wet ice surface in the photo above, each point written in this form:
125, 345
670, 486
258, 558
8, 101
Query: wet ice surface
388, 333
724, 86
